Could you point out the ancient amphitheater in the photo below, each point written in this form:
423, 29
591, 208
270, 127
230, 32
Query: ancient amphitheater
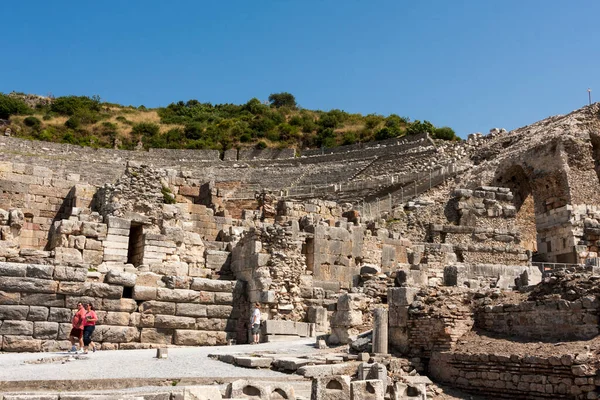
473, 265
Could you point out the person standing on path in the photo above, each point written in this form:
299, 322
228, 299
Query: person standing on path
88, 328
255, 323
76, 334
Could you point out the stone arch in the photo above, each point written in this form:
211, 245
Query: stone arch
540, 188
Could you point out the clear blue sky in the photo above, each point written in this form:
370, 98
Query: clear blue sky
471, 65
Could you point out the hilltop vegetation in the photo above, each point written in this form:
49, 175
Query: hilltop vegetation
88, 121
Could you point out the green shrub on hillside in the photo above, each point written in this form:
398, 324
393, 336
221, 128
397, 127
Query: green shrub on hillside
71, 105
145, 129
12, 106
32, 122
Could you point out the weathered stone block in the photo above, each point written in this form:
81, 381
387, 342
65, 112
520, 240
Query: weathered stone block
245, 389
116, 318
144, 292
198, 338
14, 312
178, 295
72, 288
369, 389
125, 279
40, 271
9, 327
93, 257
211, 285
30, 285
157, 307
218, 311
8, 298
60, 314
174, 322
37, 313
119, 305
191, 310
62, 273
20, 344
160, 336
104, 290
67, 255
119, 334
223, 298
45, 330
331, 388
12, 269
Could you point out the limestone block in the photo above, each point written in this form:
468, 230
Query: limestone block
206, 392
72, 288
401, 296
346, 318
144, 292
191, 310
94, 230
206, 297
119, 334
178, 295
60, 314
351, 301
8, 248
10, 327
29, 285
318, 316
38, 313
159, 336
104, 290
116, 318
67, 255
248, 389
184, 337
215, 324
170, 268
40, 271
177, 282
77, 242
13, 312
218, 311
331, 388
45, 330
119, 305
92, 244
8, 298
372, 389
62, 273
21, 344
174, 322
146, 320
118, 223
216, 259
93, 257
211, 285
64, 329
12, 269
148, 279
157, 307
223, 298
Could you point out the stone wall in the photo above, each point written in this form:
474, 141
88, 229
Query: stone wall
544, 320
135, 309
515, 376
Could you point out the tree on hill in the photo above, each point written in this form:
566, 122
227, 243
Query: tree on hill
12, 106
283, 99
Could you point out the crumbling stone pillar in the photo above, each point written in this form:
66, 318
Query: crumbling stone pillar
380, 331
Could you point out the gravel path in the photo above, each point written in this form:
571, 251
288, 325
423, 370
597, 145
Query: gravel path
183, 362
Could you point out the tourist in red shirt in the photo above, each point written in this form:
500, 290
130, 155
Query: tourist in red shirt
76, 334
89, 326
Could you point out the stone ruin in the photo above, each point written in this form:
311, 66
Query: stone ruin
451, 260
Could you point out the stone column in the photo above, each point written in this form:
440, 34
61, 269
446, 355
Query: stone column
380, 331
